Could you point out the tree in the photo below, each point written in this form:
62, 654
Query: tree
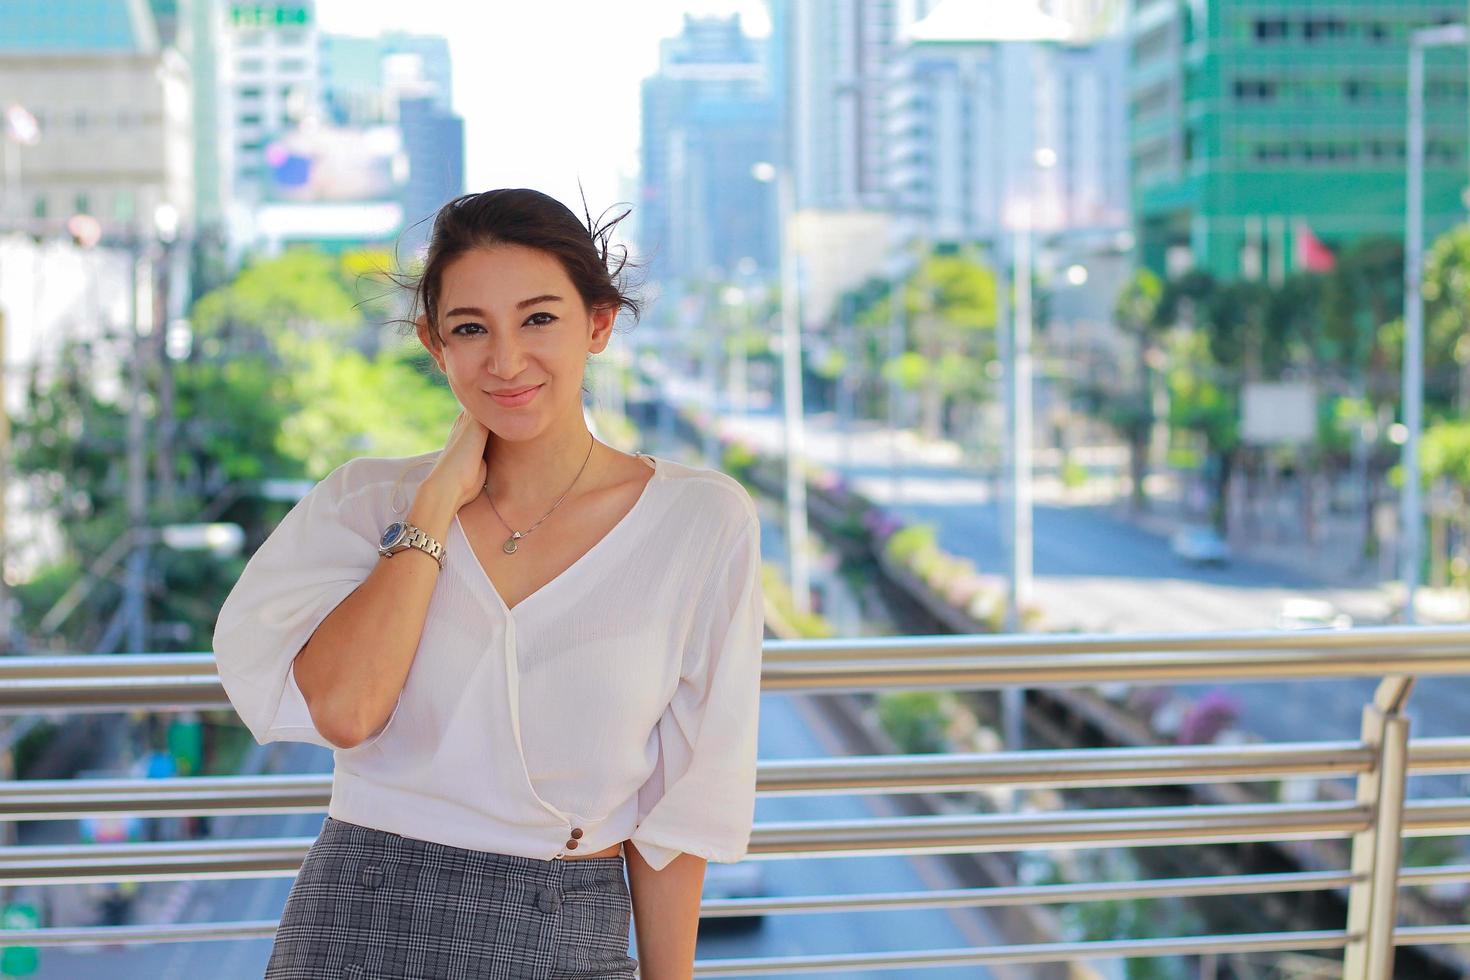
287, 379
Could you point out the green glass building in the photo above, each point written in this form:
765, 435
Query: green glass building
1266, 135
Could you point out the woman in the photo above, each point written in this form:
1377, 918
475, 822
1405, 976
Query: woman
536, 658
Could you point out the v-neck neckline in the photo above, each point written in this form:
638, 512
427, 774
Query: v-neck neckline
511, 611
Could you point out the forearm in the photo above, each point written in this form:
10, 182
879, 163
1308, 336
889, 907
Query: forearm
665, 913
353, 667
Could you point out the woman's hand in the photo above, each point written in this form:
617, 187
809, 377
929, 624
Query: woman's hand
461, 472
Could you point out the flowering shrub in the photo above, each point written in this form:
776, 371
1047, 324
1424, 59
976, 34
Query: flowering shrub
1206, 718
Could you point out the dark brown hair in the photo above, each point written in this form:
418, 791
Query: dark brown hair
521, 216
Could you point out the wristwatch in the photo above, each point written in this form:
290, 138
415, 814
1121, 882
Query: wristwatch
400, 535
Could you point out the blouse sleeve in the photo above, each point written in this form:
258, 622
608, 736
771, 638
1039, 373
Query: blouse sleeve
701, 797
321, 551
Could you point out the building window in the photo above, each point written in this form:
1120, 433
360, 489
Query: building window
38, 206
1323, 28
1255, 90
81, 204
291, 65
250, 119
252, 92
1270, 28
250, 66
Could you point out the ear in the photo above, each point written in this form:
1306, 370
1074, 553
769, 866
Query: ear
603, 319
430, 340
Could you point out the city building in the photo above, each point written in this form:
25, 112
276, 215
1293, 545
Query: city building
269, 74
111, 110
997, 116
1267, 137
709, 115
402, 80
837, 55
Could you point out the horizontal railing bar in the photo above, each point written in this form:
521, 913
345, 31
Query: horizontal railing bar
1141, 826
932, 772
1274, 942
1138, 827
1385, 640
57, 799
981, 673
1443, 874
198, 691
1014, 895
71, 798
158, 681
173, 932
1430, 935
1031, 953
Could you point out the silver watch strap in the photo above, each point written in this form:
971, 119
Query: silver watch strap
418, 538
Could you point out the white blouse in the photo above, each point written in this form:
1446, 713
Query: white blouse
619, 700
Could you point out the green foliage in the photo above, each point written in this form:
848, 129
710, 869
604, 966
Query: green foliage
301, 292
1137, 309
808, 625
352, 406
1074, 474
1444, 451
737, 460
913, 719
285, 380
907, 543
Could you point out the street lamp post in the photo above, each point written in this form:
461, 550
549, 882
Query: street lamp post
794, 417
1411, 514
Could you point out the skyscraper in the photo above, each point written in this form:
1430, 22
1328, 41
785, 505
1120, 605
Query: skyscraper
1266, 137
837, 55
709, 115
404, 80
985, 119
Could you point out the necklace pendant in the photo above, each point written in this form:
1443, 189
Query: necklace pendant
510, 543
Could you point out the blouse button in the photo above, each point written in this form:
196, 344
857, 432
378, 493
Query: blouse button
576, 833
571, 845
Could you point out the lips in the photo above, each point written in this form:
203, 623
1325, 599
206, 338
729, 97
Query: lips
518, 396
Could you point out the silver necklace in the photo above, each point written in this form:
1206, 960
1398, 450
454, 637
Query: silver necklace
510, 543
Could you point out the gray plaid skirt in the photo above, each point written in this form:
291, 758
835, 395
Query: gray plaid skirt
371, 904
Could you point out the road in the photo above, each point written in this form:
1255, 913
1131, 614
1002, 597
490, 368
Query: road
1097, 572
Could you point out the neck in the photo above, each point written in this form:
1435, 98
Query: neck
533, 473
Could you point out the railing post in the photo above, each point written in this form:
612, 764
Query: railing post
1373, 900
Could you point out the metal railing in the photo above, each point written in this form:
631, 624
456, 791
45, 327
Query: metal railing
1375, 821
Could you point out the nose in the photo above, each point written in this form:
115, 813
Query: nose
506, 358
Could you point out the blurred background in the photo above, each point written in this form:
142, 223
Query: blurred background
1015, 315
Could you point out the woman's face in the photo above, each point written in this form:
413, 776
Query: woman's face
510, 319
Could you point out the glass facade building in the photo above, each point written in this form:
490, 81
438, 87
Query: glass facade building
1261, 130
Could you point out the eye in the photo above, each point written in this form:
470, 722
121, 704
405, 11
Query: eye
456, 330
549, 319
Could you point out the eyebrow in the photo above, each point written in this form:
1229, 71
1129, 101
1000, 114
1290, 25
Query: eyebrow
476, 311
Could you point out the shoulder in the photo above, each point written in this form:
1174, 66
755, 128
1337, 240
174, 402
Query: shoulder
377, 479
709, 496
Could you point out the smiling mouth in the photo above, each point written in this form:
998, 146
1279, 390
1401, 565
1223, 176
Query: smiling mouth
520, 397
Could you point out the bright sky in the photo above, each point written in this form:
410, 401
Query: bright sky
548, 89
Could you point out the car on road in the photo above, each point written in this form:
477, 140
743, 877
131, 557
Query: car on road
1201, 544
1304, 613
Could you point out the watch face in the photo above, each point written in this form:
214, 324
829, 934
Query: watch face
391, 535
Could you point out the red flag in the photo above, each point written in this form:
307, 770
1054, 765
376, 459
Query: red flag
1311, 254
